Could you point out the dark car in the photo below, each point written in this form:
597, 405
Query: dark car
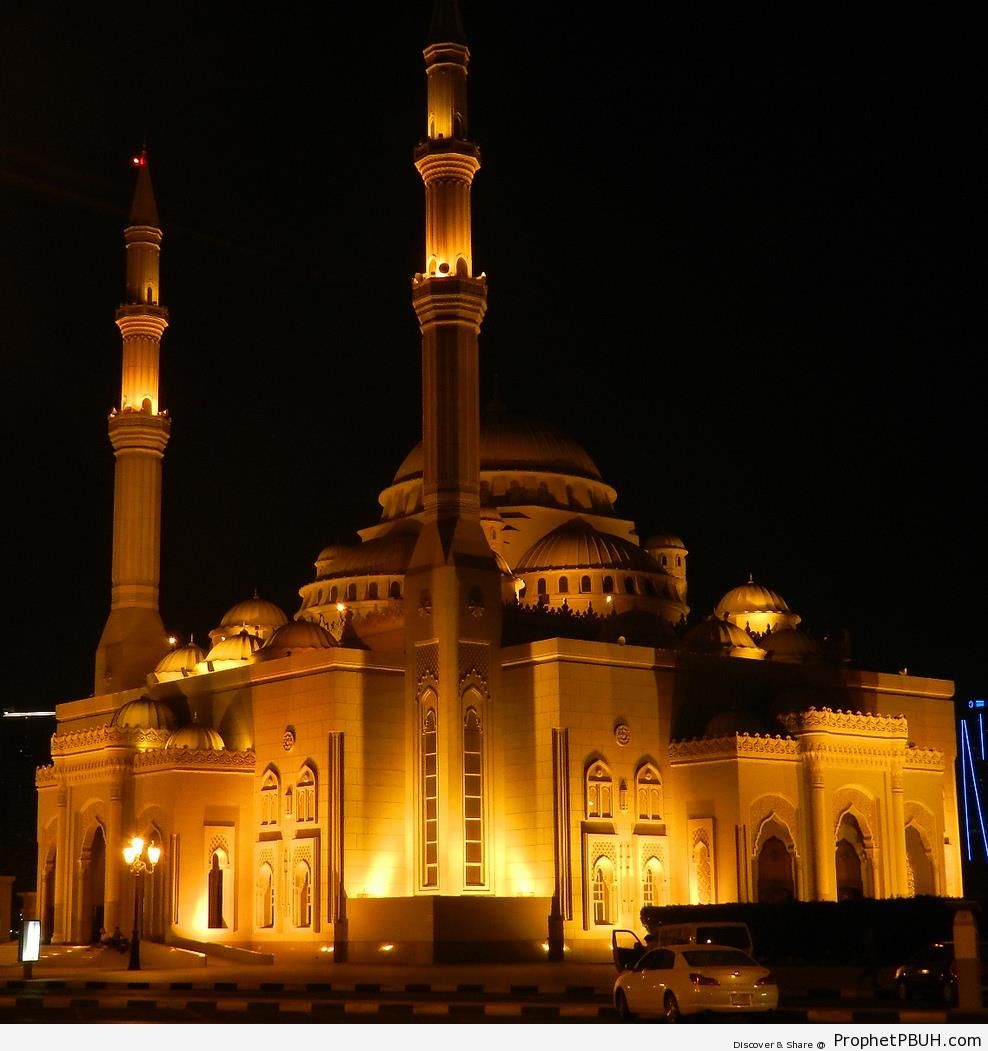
930, 973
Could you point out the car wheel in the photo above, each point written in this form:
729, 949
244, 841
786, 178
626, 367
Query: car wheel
624, 1012
671, 1007
902, 992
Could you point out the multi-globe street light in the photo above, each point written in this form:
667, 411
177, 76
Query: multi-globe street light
135, 854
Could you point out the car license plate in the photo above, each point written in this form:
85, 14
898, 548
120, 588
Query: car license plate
740, 999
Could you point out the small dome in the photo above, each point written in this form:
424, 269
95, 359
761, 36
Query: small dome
664, 540
386, 555
196, 737
721, 636
756, 608
239, 647
144, 714
256, 615
790, 644
577, 545
509, 442
298, 635
179, 662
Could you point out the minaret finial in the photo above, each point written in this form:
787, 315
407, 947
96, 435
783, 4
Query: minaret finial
143, 208
446, 26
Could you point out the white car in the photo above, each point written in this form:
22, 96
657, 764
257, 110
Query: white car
677, 980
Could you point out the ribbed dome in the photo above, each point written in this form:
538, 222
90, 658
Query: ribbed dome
756, 609
385, 555
239, 647
510, 442
299, 635
180, 662
253, 613
720, 636
144, 714
577, 545
751, 598
196, 736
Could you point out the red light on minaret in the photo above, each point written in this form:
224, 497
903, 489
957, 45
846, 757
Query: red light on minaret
138, 162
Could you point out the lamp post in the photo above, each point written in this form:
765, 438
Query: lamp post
134, 854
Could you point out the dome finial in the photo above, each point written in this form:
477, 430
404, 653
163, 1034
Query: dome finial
751, 577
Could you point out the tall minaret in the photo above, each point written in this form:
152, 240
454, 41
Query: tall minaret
134, 640
452, 588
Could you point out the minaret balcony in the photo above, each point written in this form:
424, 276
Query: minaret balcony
437, 147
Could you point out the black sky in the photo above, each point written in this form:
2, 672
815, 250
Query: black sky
734, 260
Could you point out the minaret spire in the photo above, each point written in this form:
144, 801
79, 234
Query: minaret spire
452, 586
134, 637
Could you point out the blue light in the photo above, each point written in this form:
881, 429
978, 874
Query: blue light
976, 704
974, 786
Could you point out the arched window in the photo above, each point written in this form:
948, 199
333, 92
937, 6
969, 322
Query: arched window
218, 863
270, 792
602, 892
679, 560
351, 592
599, 791
302, 895
473, 799
394, 589
372, 590
652, 880
564, 585
541, 586
649, 793
608, 585
334, 593
305, 795
629, 585
430, 796
649, 587
665, 560
265, 896
584, 585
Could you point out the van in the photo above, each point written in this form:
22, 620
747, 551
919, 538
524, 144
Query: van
706, 932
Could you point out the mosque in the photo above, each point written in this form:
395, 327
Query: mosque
492, 727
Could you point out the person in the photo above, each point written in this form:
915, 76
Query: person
117, 940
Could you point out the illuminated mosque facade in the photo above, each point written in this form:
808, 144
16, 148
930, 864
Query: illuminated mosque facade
489, 727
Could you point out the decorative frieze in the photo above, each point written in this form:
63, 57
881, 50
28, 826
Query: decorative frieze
209, 758
923, 759
45, 775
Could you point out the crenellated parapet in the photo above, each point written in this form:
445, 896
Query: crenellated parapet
828, 720
733, 746
97, 737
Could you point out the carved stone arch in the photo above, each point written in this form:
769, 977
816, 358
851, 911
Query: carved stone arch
776, 872
90, 894
923, 860
854, 830
472, 680
427, 684
218, 842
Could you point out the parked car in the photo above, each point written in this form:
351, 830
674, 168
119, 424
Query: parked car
675, 981
930, 973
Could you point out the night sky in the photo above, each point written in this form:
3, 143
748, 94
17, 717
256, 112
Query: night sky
734, 260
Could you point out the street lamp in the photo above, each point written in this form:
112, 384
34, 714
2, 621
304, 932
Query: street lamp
134, 854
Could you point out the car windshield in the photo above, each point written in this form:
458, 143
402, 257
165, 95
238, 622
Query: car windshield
718, 958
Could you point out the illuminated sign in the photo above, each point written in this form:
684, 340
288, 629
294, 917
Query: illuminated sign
976, 704
29, 949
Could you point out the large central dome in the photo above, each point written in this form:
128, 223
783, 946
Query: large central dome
509, 442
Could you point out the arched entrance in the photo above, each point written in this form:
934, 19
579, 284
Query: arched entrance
93, 883
776, 881
922, 879
48, 898
854, 877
